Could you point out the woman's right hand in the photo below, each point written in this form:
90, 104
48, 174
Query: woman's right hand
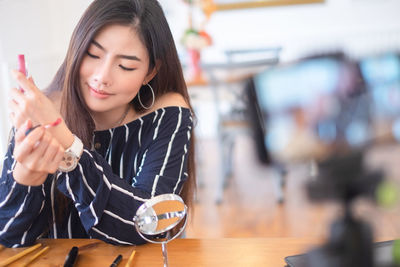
37, 154
31, 103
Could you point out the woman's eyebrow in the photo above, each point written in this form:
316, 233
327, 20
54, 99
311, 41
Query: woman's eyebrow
119, 55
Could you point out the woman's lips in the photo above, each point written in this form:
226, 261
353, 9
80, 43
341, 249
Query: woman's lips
98, 93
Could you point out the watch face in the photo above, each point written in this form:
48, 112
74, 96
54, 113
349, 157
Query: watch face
68, 162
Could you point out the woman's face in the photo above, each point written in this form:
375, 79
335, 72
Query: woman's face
113, 69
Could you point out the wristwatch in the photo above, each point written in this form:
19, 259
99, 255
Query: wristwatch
71, 156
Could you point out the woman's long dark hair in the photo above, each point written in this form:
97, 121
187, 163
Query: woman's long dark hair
146, 17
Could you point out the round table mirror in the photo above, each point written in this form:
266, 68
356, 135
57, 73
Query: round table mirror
158, 220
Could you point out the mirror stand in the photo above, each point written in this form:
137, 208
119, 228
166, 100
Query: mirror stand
164, 241
164, 253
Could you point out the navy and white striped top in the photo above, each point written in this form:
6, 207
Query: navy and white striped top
128, 165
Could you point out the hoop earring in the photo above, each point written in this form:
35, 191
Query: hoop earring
152, 103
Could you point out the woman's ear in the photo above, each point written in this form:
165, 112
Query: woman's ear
152, 72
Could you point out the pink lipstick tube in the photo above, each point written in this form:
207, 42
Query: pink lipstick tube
22, 67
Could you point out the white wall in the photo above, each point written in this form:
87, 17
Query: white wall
40, 29
357, 26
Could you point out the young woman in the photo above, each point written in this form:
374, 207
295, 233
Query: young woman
125, 135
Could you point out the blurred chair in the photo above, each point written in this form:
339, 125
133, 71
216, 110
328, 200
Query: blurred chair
256, 118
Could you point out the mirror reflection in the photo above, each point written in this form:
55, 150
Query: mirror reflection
158, 220
160, 214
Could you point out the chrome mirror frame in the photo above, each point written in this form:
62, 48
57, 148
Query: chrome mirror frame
146, 221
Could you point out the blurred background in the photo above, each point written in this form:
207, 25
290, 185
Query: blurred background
276, 86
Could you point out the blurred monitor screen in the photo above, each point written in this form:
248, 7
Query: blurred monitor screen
306, 105
378, 70
382, 76
296, 85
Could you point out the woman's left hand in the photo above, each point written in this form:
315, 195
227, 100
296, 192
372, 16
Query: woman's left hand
30, 103
37, 154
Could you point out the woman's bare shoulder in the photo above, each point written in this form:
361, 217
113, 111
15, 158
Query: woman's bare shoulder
170, 99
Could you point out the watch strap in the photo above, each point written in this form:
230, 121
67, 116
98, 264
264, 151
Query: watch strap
76, 148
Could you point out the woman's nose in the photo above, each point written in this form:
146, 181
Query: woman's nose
103, 75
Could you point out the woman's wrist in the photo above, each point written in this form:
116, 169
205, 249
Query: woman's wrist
63, 135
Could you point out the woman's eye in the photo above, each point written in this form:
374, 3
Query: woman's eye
125, 68
91, 55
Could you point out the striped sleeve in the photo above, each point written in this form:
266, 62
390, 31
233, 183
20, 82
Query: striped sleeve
23, 209
164, 167
106, 203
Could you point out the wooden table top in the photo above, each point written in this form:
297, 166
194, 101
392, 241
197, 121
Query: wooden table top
181, 252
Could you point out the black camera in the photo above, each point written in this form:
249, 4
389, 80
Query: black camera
343, 177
